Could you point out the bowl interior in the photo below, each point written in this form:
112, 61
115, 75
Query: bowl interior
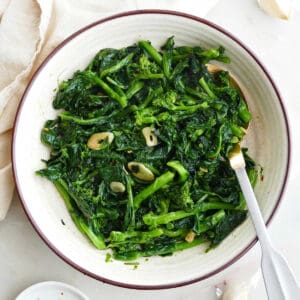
267, 141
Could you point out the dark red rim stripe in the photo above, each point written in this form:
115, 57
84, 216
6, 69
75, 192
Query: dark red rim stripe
58, 48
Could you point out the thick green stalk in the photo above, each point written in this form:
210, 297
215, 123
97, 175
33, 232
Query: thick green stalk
151, 51
118, 238
134, 88
180, 169
111, 93
150, 76
61, 188
79, 120
166, 63
168, 249
210, 222
159, 182
129, 220
205, 206
117, 66
206, 88
97, 240
154, 220
244, 113
219, 145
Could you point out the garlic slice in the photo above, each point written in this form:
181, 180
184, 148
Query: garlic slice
281, 9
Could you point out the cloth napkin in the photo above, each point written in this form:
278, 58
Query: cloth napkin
29, 31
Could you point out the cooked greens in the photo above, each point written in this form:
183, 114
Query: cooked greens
139, 151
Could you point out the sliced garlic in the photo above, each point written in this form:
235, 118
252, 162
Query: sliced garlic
117, 187
281, 9
96, 140
140, 171
190, 236
150, 136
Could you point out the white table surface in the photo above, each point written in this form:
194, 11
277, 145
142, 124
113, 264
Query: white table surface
25, 259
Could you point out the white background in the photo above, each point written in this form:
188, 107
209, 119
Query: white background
25, 259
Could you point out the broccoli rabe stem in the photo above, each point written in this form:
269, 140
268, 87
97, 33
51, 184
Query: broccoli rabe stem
199, 94
154, 220
117, 66
166, 63
176, 233
211, 53
96, 239
206, 88
138, 237
237, 131
59, 184
129, 221
115, 83
66, 116
217, 217
219, 145
134, 88
180, 169
118, 89
141, 119
205, 206
244, 113
74, 198
167, 249
209, 222
150, 76
111, 93
190, 109
151, 51
121, 98
159, 182
118, 238
152, 94
124, 112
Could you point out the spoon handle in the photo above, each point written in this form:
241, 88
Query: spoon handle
279, 280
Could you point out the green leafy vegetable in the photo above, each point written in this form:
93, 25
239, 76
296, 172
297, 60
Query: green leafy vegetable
139, 149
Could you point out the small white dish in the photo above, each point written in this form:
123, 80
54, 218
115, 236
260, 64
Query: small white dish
51, 290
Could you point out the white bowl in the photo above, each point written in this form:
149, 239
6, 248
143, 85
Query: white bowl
50, 290
268, 142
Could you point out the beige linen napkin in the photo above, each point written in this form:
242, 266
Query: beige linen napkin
29, 31
22, 33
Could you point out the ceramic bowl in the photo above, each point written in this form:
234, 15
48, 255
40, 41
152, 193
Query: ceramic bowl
49, 290
267, 140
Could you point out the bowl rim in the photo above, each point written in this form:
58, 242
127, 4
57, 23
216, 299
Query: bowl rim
57, 49
53, 285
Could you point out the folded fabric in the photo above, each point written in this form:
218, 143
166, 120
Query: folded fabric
3, 5
29, 31
22, 32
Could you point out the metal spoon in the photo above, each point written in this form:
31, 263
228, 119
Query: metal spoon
279, 279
